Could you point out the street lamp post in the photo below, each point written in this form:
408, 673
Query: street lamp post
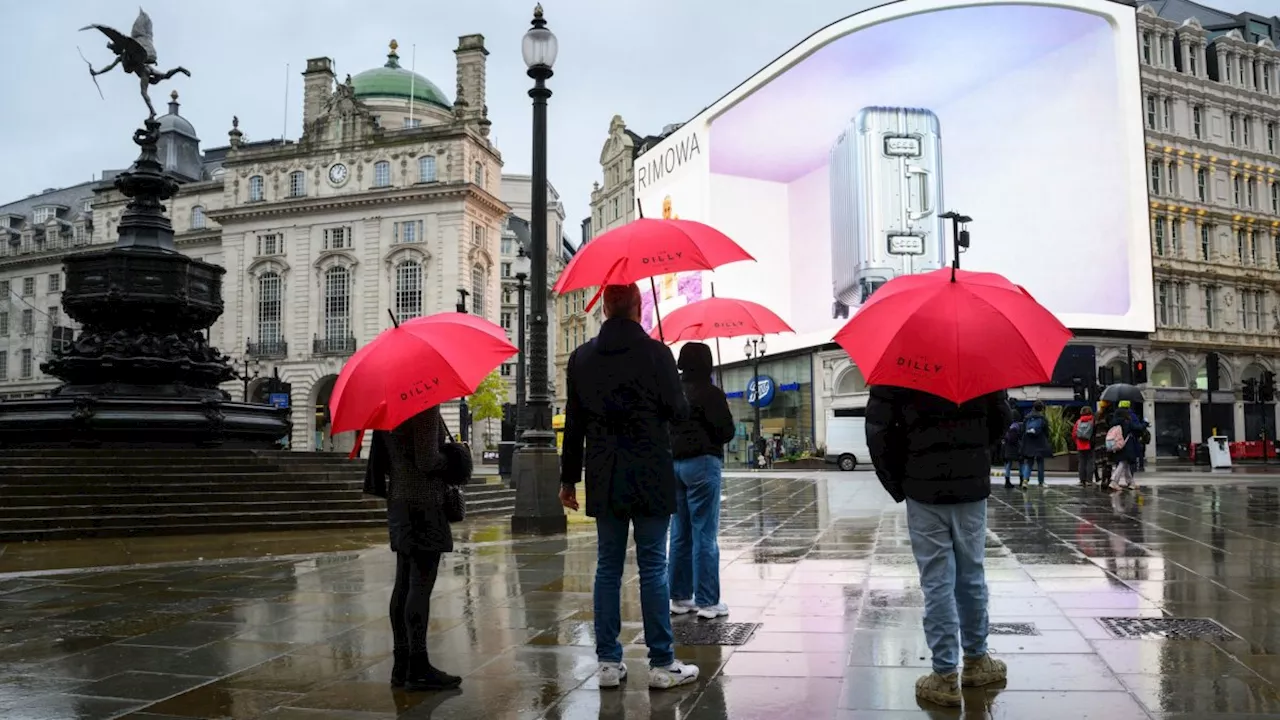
464, 412
521, 268
754, 350
245, 377
536, 468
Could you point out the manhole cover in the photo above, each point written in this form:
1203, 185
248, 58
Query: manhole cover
1012, 629
1130, 628
713, 633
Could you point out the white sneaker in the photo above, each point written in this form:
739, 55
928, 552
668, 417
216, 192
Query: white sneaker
673, 675
711, 612
681, 607
611, 674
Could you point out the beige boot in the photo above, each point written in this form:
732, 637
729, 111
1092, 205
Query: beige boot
939, 689
983, 670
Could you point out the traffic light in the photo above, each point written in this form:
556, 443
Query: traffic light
1139, 372
1268, 387
1106, 376
1251, 390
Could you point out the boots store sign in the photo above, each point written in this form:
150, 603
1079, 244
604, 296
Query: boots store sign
760, 391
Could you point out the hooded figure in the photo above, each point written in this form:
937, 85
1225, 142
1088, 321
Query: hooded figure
710, 424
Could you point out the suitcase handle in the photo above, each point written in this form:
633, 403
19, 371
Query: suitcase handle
926, 186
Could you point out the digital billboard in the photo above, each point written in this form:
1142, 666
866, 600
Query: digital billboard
834, 165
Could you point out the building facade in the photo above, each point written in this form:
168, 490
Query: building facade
390, 203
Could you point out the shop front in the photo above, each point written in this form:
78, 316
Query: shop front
782, 387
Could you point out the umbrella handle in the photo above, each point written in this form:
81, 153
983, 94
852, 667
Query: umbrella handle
719, 360
653, 287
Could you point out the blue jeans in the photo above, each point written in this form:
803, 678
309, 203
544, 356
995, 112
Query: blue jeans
651, 556
948, 542
695, 531
1025, 471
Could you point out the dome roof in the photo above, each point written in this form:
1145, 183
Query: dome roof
175, 123
393, 81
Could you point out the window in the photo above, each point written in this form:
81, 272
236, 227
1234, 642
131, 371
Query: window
1166, 116
1163, 303
1271, 137
1206, 242
1242, 66
505, 370
1250, 187
270, 244
55, 282
270, 315
1253, 247
28, 321
255, 188
297, 184
1160, 43
4, 365
1159, 236
1275, 242
79, 235
28, 286
1275, 198
427, 168
409, 231
1179, 304
382, 174
197, 218
1266, 78
4, 324
1151, 112
1246, 134
1251, 309
478, 286
506, 296
479, 234
1146, 47
338, 238
506, 320
25, 367
1156, 171
42, 215
87, 205
1197, 122
617, 207
1175, 237
1202, 185
1237, 190
1193, 60
408, 290
1210, 306
507, 245
477, 175
337, 303
52, 313
4, 290
413, 122
1233, 125
506, 269
1242, 241
1172, 183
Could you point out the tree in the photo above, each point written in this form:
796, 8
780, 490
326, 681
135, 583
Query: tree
486, 403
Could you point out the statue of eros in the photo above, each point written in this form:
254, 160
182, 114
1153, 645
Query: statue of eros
136, 53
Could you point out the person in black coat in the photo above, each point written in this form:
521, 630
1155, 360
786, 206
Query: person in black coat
698, 445
419, 533
1036, 444
936, 456
622, 393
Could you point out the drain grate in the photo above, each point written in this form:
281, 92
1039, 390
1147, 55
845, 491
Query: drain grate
713, 633
1130, 628
1024, 629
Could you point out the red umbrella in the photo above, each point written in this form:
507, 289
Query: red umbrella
413, 366
721, 318
958, 339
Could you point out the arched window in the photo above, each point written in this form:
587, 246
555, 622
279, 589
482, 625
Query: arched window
382, 174
270, 312
337, 304
408, 290
851, 382
478, 174
1167, 374
197, 218
427, 168
479, 282
297, 184
255, 188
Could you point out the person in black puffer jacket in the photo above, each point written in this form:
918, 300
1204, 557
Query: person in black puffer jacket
936, 456
697, 443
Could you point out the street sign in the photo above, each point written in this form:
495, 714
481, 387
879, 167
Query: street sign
280, 400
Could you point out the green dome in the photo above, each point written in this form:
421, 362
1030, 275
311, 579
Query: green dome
393, 81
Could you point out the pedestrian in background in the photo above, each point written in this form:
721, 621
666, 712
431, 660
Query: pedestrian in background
623, 391
1082, 433
1036, 445
697, 442
1011, 449
936, 456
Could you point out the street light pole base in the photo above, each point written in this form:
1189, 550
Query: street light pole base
536, 474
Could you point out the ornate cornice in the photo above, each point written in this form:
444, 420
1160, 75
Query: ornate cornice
369, 198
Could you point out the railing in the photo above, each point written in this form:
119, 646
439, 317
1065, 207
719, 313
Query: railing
269, 349
333, 346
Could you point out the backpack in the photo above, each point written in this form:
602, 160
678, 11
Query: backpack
1084, 429
1116, 439
1014, 432
1035, 424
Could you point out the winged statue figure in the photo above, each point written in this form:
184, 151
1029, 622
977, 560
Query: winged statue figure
136, 53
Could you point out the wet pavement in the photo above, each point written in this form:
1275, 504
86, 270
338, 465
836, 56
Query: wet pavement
294, 628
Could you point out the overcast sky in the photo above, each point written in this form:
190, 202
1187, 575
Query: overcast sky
653, 62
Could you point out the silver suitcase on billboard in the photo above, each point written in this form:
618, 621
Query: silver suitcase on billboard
886, 199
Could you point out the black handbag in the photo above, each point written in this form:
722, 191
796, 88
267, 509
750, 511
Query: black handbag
455, 506
458, 465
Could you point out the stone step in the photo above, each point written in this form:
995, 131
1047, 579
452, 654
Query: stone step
146, 488
266, 476
163, 526
129, 496
244, 506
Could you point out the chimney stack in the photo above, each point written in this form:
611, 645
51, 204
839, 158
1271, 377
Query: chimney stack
317, 86
469, 106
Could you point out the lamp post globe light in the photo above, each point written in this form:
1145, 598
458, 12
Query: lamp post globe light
754, 349
521, 268
536, 468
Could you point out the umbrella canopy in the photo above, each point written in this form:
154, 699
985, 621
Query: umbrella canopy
645, 248
958, 339
720, 318
1121, 391
419, 364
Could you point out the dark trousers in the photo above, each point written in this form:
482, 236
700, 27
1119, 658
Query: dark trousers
411, 599
1086, 465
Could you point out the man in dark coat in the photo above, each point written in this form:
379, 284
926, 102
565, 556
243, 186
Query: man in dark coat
622, 393
936, 456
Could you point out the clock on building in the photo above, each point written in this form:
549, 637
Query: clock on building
337, 174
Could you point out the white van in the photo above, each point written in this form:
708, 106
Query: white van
847, 438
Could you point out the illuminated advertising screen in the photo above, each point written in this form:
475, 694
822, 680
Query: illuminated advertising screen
835, 165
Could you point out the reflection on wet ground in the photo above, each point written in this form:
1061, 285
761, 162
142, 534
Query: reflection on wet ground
822, 562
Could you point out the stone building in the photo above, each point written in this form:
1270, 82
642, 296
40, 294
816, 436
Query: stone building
391, 201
